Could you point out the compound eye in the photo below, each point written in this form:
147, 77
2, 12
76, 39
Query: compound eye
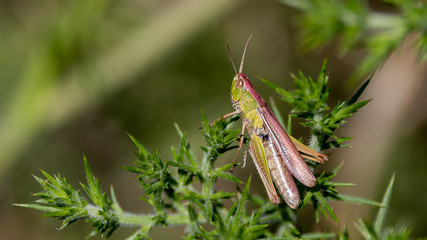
240, 83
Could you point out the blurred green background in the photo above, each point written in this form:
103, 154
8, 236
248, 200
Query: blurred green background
75, 76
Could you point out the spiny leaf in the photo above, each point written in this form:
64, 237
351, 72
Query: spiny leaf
277, 113
346, 112
379, 220
227, 176
339, 184
240, 207
359, 92
366, 230
201, 206
115, 204
319, 197
37, 207
306, 199
94, 190
178, 129
138, 145
358, 200
256, 228
214, 196
205, 123
287, 96
318, 235
183, 166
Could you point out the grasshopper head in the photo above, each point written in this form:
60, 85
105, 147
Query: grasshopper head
240, 83
238, 87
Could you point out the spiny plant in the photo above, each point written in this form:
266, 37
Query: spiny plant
357, 26
176, 200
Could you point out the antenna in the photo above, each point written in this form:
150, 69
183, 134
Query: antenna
244, 53
231, 59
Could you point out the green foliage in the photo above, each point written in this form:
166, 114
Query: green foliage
309, 102
60, 200
182, 191
377, 229
355, 25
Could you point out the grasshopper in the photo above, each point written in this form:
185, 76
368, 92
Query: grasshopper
278, 157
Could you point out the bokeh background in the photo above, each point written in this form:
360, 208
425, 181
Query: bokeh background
76, 76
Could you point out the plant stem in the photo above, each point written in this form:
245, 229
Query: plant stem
316, 140
137, 220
